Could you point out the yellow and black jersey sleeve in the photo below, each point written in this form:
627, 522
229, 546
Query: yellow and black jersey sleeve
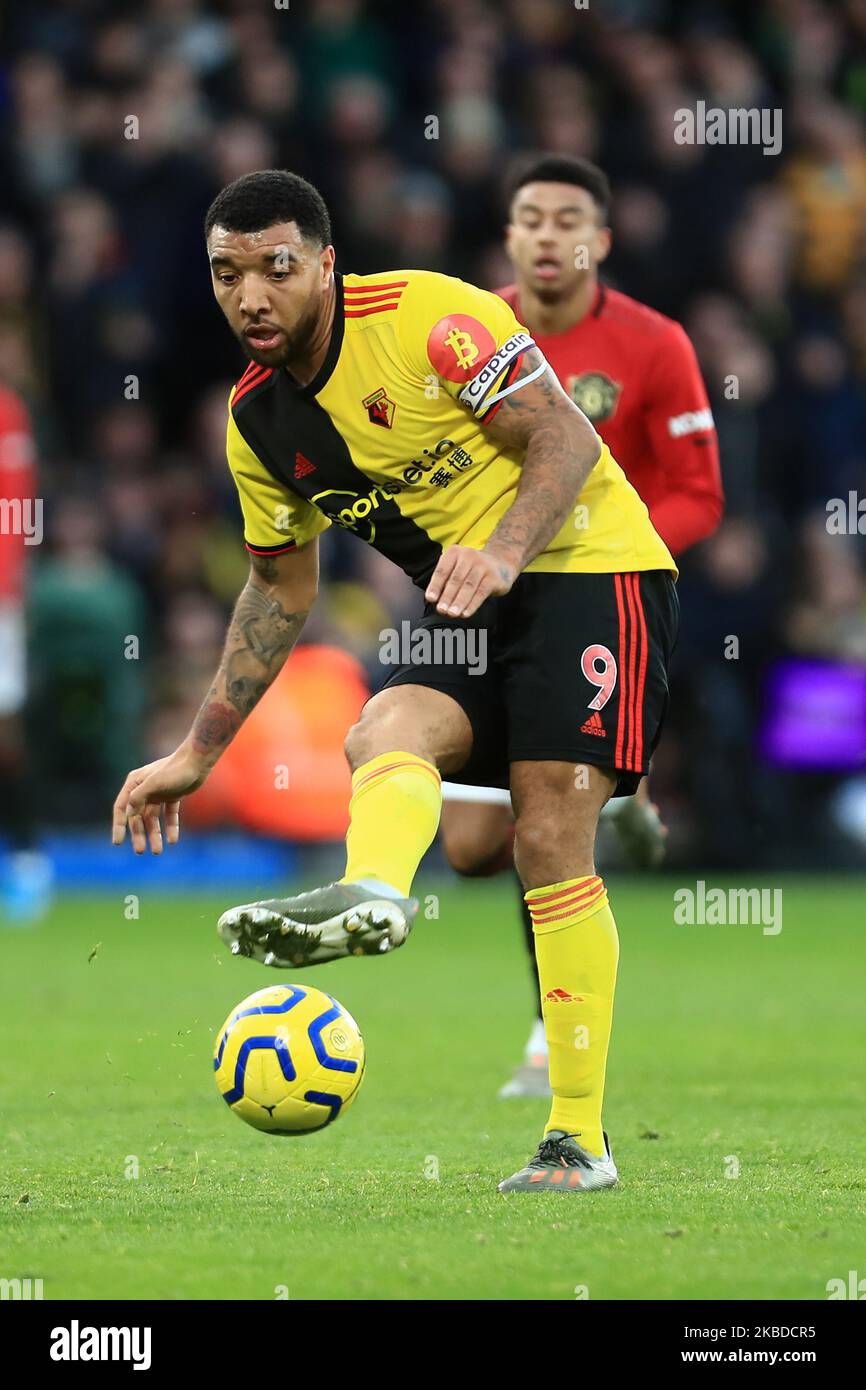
276, 520
462, 337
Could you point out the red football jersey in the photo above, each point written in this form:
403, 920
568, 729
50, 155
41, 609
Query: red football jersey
17, 485
634, 373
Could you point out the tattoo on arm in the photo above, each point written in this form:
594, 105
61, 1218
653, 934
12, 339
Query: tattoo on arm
260, 636
215, 724
560, 449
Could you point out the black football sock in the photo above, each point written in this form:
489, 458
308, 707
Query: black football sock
529, 938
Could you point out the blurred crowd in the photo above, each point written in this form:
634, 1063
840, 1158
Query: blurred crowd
119, 123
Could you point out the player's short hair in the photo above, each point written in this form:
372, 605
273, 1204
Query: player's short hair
562, 168
266, 197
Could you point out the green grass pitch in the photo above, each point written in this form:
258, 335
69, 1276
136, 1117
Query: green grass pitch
731, 1049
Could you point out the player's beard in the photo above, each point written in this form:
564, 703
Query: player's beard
294, 343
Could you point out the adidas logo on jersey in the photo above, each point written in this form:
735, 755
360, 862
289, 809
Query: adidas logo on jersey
594, 725
303, 466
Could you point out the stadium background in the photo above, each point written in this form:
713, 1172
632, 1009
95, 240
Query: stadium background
737, 1051
103, 280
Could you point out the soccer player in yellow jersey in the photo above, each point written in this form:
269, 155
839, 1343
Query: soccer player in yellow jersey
414, 410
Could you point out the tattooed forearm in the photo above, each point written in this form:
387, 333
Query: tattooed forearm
560, 449
215, 725
550, 481
260, 636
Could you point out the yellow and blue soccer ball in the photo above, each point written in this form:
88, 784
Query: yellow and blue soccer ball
289, 1060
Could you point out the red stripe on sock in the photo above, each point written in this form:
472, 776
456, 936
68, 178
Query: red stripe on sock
564, 892
562, 916
570, 909
568, 906
390, 767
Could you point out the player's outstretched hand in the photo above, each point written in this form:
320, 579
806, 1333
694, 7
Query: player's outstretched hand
153, 790
464, 578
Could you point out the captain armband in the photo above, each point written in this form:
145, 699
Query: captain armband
479, 394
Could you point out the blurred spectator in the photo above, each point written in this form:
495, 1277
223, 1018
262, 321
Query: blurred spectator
88, 648
25, 873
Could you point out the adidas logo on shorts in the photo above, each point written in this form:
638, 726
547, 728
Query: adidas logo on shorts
594, 725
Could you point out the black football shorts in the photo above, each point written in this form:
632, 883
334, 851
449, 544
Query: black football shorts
565, 667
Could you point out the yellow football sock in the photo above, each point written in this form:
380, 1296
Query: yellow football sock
393, 817
577, 950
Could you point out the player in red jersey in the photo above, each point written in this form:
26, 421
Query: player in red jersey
634, 373
25, 872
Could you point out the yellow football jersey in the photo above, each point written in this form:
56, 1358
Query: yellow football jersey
389, 439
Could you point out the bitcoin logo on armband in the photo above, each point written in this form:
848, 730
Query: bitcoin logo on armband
465, 351
458, 346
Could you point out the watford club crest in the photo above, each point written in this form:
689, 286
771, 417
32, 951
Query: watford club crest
380, 408
595, 394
